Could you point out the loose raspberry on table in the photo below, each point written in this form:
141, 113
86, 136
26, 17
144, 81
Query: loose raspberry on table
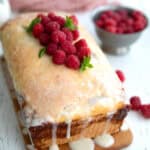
68, 47
38, 29
44, 39
145, 110
52, 26
135, 102
51, 48
59, 57
73, 62
58, 36
120, 75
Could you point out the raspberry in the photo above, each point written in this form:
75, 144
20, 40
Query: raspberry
52, 26
73, 62
38, 29
58, 36
109, 13
120, 75
135, 102
84, 51
116, 17
110, 22
103, 17
59, 57
136, 14
69, 35
74, 19
45, 20
129, 21
111, 28
51, 48
129, 29
75, 34
51, 15
119, 30
59, 20
138, 25
68, 47
145, 110
80, 43
122, 12
44, 39
99, 23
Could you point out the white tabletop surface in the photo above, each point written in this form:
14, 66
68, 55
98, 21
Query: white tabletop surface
136, 66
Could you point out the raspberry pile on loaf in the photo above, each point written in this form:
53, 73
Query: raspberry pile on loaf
59, 37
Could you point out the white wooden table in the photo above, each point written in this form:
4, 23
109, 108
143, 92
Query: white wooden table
136, 66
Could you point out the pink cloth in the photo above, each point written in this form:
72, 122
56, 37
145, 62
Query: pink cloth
55, 5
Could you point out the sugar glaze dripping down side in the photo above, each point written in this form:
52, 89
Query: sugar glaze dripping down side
54, 145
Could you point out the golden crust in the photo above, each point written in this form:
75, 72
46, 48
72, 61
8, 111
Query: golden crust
49, 89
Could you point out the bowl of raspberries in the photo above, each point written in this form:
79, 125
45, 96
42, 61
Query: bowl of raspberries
118, 27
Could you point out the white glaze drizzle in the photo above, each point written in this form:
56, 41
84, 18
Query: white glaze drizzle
82, 144
104, 140
68, 128
54, 147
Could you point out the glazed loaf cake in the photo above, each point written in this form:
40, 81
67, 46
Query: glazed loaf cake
58, 104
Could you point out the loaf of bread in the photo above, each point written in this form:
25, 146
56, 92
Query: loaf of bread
58, 104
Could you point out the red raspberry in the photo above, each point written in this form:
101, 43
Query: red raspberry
103, 17
69, 35
68, 47
116, 17
110, 22
51, 48
119, 30
138, 25
136, 14
51, 15
145, 110
135, 102
44, 39
120, 75
38, 29
74, 19
75, 34
80, 43
129, 29
109, 13
129, 21
52, 26
123, 13
59, 57
84, 51
45, 20
111, 28
73, 62
60, 20
99, 23
58, 36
